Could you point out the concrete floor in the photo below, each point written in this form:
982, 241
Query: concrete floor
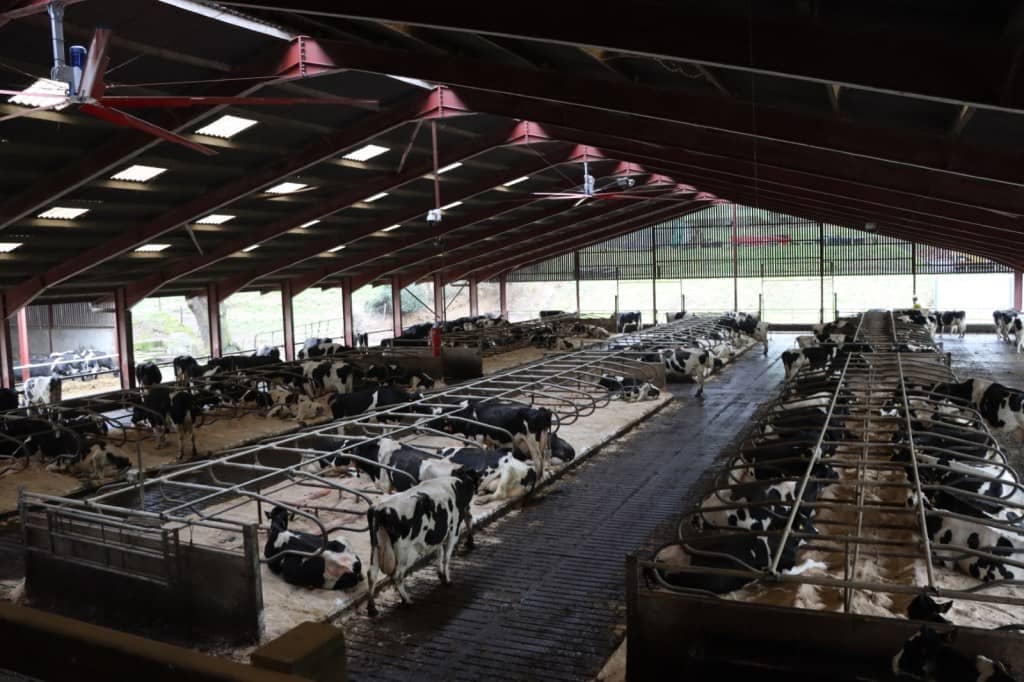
541, 598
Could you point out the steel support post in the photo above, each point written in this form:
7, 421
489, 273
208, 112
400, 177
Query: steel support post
474, 297
288, 320
6, 348
125, 338
735, 264
23, 353
1018, 288
440, 301
821, 272
503, 295
213, 319
396, 306
346, 311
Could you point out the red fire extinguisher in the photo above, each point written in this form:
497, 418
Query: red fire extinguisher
435, 341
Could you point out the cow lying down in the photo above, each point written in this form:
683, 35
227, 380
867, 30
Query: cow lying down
928, 655
296, 557
502, 476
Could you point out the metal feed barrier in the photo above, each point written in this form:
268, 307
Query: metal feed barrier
213, 508
870, 528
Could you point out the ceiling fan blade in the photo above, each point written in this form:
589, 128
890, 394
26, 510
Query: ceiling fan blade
131, 102
95, 64
129, 121
28, 113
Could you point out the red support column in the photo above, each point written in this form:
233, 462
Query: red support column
125, 339
1018, 288
346, 311
440, 301
23, 342
288, 320
503, 295
474, 297
213, 319
6, 348
396, 307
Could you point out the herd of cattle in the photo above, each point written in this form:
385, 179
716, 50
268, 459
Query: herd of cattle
973, 501
429, 505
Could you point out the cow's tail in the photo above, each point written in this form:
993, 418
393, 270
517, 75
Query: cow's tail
382, 551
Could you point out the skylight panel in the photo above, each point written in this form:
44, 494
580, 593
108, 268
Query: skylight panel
287, 188
516, 181
366, 153
392, 228
450, 166
336, 249
152, 248
138, 173
7, 247
250, 248
63, 213
451, 205
215, 219
311, 223
375, 197
226, 126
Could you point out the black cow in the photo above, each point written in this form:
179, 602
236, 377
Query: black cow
923, 607
628, 388
268, 352
297, 557
413, 465
8, 399
165, 410
502, 476
815, 357
357, 402
395, 374
927, 655
561, 450
148, 374
529, 427
186, 368
627, 322
66, 364
953, 320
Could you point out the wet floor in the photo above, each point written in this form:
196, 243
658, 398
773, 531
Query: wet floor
541, 598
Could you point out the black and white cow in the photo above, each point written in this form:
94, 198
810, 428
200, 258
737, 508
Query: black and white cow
955, 321
392, 465
626, 323
1003, 320
695, 363
629, 389
494, 421
392, 374
590, 331
166, 410
361, 339
927, 655
186, 368
974, 547
95, 361
66, 364
738, 552
96, 461
268, 352
816, 358
148, 374
304, 559
411, 525
357, 402
561, 450
923, 607
502, 476
41, 391
316, 348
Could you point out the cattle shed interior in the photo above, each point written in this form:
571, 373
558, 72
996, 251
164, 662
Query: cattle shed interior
640, 249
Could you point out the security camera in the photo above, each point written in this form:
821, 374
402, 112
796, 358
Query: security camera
434, 216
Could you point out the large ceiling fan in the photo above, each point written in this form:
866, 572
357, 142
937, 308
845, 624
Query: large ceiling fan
80, 83
621, 188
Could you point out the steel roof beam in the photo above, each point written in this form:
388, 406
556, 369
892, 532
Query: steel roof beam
924, 199
277, 64
408, 109
144, 288
489, 271
936, 151
912, 62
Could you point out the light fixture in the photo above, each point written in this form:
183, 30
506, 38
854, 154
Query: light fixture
152, 248
250, 248
393, 227
450, 166
451, 205
366, 153
62, 213
7, 247
375, 197
311, 223
226, 126
138, 173
215, 219
286, 188
43, 93
227, 16
336, 249
516, 181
